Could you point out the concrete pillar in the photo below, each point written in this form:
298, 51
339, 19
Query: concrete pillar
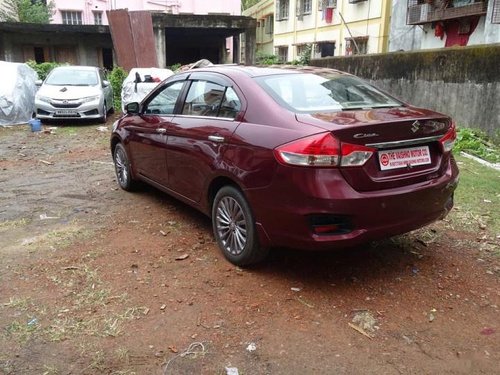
250, 45
160, 44
236, 49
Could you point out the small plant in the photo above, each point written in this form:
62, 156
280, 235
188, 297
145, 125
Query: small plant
265, 59
116, 77
477, 143
305, 55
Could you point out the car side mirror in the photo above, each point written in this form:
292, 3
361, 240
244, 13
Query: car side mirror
132, 108
38, 82
105, 83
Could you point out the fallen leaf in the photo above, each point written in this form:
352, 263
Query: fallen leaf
173, 349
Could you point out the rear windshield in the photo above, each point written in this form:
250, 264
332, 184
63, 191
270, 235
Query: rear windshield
72, 77
326, 92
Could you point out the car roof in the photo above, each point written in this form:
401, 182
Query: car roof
259, 71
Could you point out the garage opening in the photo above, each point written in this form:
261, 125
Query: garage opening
183, 46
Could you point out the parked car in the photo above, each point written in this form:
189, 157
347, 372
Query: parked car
74, 92
140, 82
307, 158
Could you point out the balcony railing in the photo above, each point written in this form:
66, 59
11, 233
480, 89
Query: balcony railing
419, 13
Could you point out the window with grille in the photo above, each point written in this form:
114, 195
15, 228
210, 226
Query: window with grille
360, 42
282, 9
71, 17
305, 6
495, 17
97, 18
282, 53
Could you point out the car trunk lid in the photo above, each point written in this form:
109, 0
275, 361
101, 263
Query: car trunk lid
405, 141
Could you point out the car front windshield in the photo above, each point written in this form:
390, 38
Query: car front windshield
324, 92
72, 77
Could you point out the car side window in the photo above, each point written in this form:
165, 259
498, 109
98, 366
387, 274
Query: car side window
210, 99
231, 104
164, 101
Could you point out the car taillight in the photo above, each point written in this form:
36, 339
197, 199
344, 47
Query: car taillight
323, 150
448, 140
355, 155
320, 150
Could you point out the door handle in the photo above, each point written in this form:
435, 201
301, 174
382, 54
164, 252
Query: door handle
161, 130
216, 138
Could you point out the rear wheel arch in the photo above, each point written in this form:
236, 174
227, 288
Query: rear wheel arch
217, 184
234, 227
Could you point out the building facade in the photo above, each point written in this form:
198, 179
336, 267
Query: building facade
425, 24
330, 27
263, 12
93, 12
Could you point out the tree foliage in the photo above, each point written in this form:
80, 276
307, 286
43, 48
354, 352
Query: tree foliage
245, 4
28, 11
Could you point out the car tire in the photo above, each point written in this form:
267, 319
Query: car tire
104, 116
122, 169
234, 228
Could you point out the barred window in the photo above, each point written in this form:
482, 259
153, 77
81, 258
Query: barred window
306, 6
71, 17
97, 18
282, 9
282, 52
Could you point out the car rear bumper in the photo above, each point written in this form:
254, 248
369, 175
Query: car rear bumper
365, 216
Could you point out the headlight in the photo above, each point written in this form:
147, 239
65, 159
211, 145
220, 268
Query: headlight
45, 99
90, 99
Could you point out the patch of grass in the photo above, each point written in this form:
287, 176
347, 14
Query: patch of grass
22, 304
8, 224
67, 130
477, 143
22, 331
477, 198
50, 370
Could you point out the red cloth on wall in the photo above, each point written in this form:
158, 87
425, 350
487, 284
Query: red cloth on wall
453, 35
329, 15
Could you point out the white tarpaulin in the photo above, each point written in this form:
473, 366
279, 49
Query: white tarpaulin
17, 93
140, 82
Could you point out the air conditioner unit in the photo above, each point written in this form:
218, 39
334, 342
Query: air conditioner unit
418, 13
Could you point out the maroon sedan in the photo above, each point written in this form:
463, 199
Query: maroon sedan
302, 158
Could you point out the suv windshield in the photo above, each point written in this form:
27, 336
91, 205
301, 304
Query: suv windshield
72, 77
324, 92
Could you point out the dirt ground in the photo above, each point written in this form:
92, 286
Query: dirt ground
95, 280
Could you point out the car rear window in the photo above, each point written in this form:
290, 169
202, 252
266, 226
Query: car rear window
326, 92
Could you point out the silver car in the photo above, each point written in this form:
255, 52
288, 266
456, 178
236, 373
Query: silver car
74, 92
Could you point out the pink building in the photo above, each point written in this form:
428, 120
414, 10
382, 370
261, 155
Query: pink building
93, 12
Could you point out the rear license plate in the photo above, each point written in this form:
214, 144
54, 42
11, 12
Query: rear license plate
404, 157
66, 112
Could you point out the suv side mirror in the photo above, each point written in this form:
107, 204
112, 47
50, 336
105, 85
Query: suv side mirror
105, 83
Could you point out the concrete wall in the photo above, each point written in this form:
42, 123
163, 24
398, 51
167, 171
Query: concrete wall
461, 82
